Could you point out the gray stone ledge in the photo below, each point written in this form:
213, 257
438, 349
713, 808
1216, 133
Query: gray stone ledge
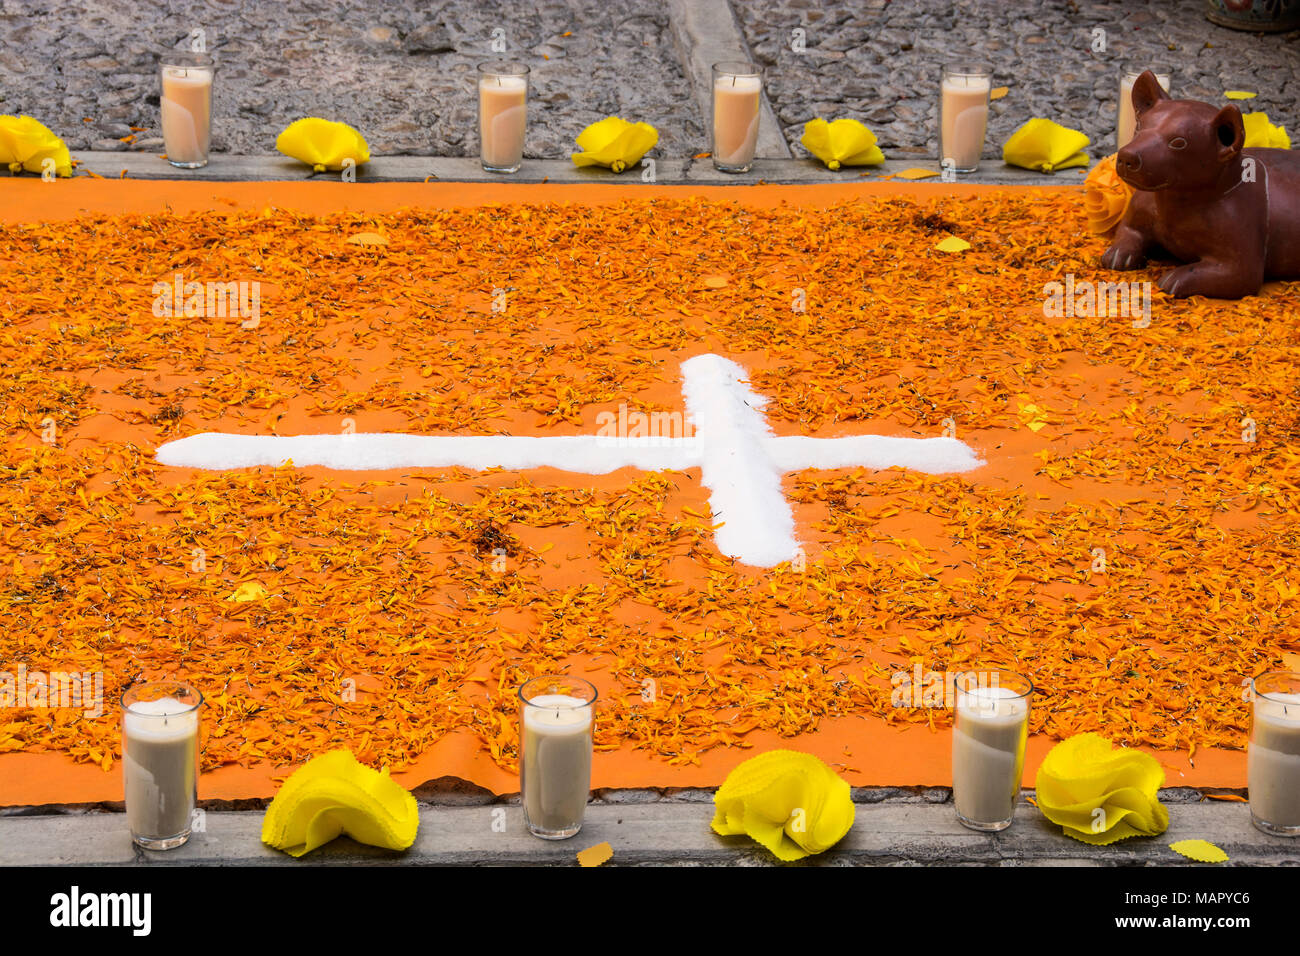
231, 168
664, 832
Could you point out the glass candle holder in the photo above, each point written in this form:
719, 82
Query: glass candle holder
1126, 121
185, 103
737, 98
963, 115
1273, 754
988, 747
160, 761
502, 115
556, 715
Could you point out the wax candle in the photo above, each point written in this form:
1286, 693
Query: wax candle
737, 97
1127, 121
1273, 755
964, 115
988, 750
160, 751
555, 766
186, 107
502, 116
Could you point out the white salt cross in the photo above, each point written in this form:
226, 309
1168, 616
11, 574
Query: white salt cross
740, 459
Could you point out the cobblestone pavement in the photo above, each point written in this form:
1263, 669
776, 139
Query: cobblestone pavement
878, 61
402, 72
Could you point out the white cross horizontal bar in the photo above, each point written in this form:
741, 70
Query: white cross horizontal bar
741, 461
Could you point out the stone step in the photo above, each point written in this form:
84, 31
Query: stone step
231, 168
664, 832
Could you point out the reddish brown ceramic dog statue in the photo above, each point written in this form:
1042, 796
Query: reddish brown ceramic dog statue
1231, 214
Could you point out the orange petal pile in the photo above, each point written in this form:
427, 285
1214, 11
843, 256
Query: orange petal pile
393, 609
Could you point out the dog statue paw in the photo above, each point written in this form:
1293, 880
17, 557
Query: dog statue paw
1231, 214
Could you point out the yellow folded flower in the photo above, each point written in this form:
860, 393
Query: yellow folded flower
322, 144
25, 143
334, 794
1260, 131
790, 802
1045, 146
843, 142
615, 143
1099, 793
1106, 197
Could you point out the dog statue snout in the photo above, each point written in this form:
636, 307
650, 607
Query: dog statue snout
1128, 161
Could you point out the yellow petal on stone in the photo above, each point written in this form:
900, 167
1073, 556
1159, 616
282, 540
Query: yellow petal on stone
952, 244
998, 92
790, 802
323, 144
1202, 851
595, 855
614, 143
842, 142
248, 591
26, 143
1044, 145
1260, 131
334, 794
368, 239
1098, 793
916, 172
1239, 95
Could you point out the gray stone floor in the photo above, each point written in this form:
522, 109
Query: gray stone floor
878, 61
892, 827
402, 71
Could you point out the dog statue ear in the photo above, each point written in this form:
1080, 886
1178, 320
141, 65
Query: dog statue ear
1230, 131
1147, 92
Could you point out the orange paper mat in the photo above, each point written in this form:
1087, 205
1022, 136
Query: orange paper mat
1096, 436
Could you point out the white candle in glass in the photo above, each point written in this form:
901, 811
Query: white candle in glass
503, 118
1273, 762
737, 98
964, 116
555, 768
988, 754
185, 105
160, 749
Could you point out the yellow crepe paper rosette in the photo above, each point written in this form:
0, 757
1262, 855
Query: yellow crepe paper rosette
1045, 146
322, 144
1260, 131
1106, 197
841, 142
790, 802
25, 143
334, 794
1099, 793
614, 143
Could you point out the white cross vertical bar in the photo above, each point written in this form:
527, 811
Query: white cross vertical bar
744, 484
